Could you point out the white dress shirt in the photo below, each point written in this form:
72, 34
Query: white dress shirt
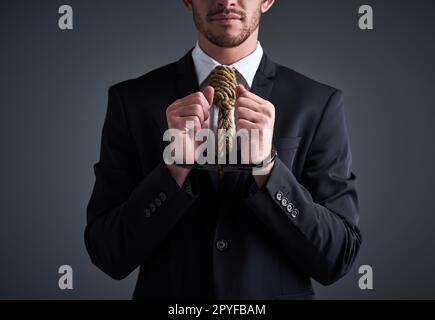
246, 67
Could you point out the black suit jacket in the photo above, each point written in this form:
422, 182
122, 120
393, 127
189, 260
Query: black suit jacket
229, 240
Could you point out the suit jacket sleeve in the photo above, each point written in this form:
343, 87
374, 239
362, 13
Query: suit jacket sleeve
131, 210
323, 239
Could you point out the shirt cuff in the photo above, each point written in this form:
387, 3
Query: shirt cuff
187, 187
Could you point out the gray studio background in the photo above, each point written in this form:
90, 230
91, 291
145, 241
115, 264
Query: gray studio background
53, 101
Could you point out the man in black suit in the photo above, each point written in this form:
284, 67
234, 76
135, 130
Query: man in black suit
242, 236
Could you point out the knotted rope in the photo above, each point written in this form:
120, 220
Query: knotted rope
223, 80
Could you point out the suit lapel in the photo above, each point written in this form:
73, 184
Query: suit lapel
187, 81
263, 80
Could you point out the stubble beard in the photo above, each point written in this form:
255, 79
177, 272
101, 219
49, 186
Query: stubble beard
223, 40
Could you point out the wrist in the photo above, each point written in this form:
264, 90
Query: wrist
178, 173
261, 174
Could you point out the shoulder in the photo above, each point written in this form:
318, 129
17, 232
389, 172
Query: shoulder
302, 84
303, 95
150, 81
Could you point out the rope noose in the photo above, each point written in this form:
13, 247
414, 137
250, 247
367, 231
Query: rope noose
223, 80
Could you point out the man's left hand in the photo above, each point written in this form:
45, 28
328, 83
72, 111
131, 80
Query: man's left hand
253, 112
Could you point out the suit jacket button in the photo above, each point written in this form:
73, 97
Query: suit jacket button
295, 213
163, 196
284, 202
152, 207
158, 202
221, 245
289, 207
278, 196
147, 213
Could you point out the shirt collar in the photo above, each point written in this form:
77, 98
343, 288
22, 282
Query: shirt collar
247, 66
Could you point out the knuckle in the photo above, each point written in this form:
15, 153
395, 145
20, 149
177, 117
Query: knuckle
242, 100
271, 108
169, 109
197, 107
195, 101
264, 120
198, 111
195, 119
198, 96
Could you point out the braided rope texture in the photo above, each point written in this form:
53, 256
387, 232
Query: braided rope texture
223, 80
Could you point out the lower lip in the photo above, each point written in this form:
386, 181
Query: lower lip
225, 21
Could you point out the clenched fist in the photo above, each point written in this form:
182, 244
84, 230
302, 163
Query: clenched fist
194, 108
254, 113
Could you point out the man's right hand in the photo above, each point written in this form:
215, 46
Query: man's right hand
194, 108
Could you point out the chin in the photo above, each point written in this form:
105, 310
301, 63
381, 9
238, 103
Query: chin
228, 37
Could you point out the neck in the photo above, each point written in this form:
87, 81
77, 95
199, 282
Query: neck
228, 56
